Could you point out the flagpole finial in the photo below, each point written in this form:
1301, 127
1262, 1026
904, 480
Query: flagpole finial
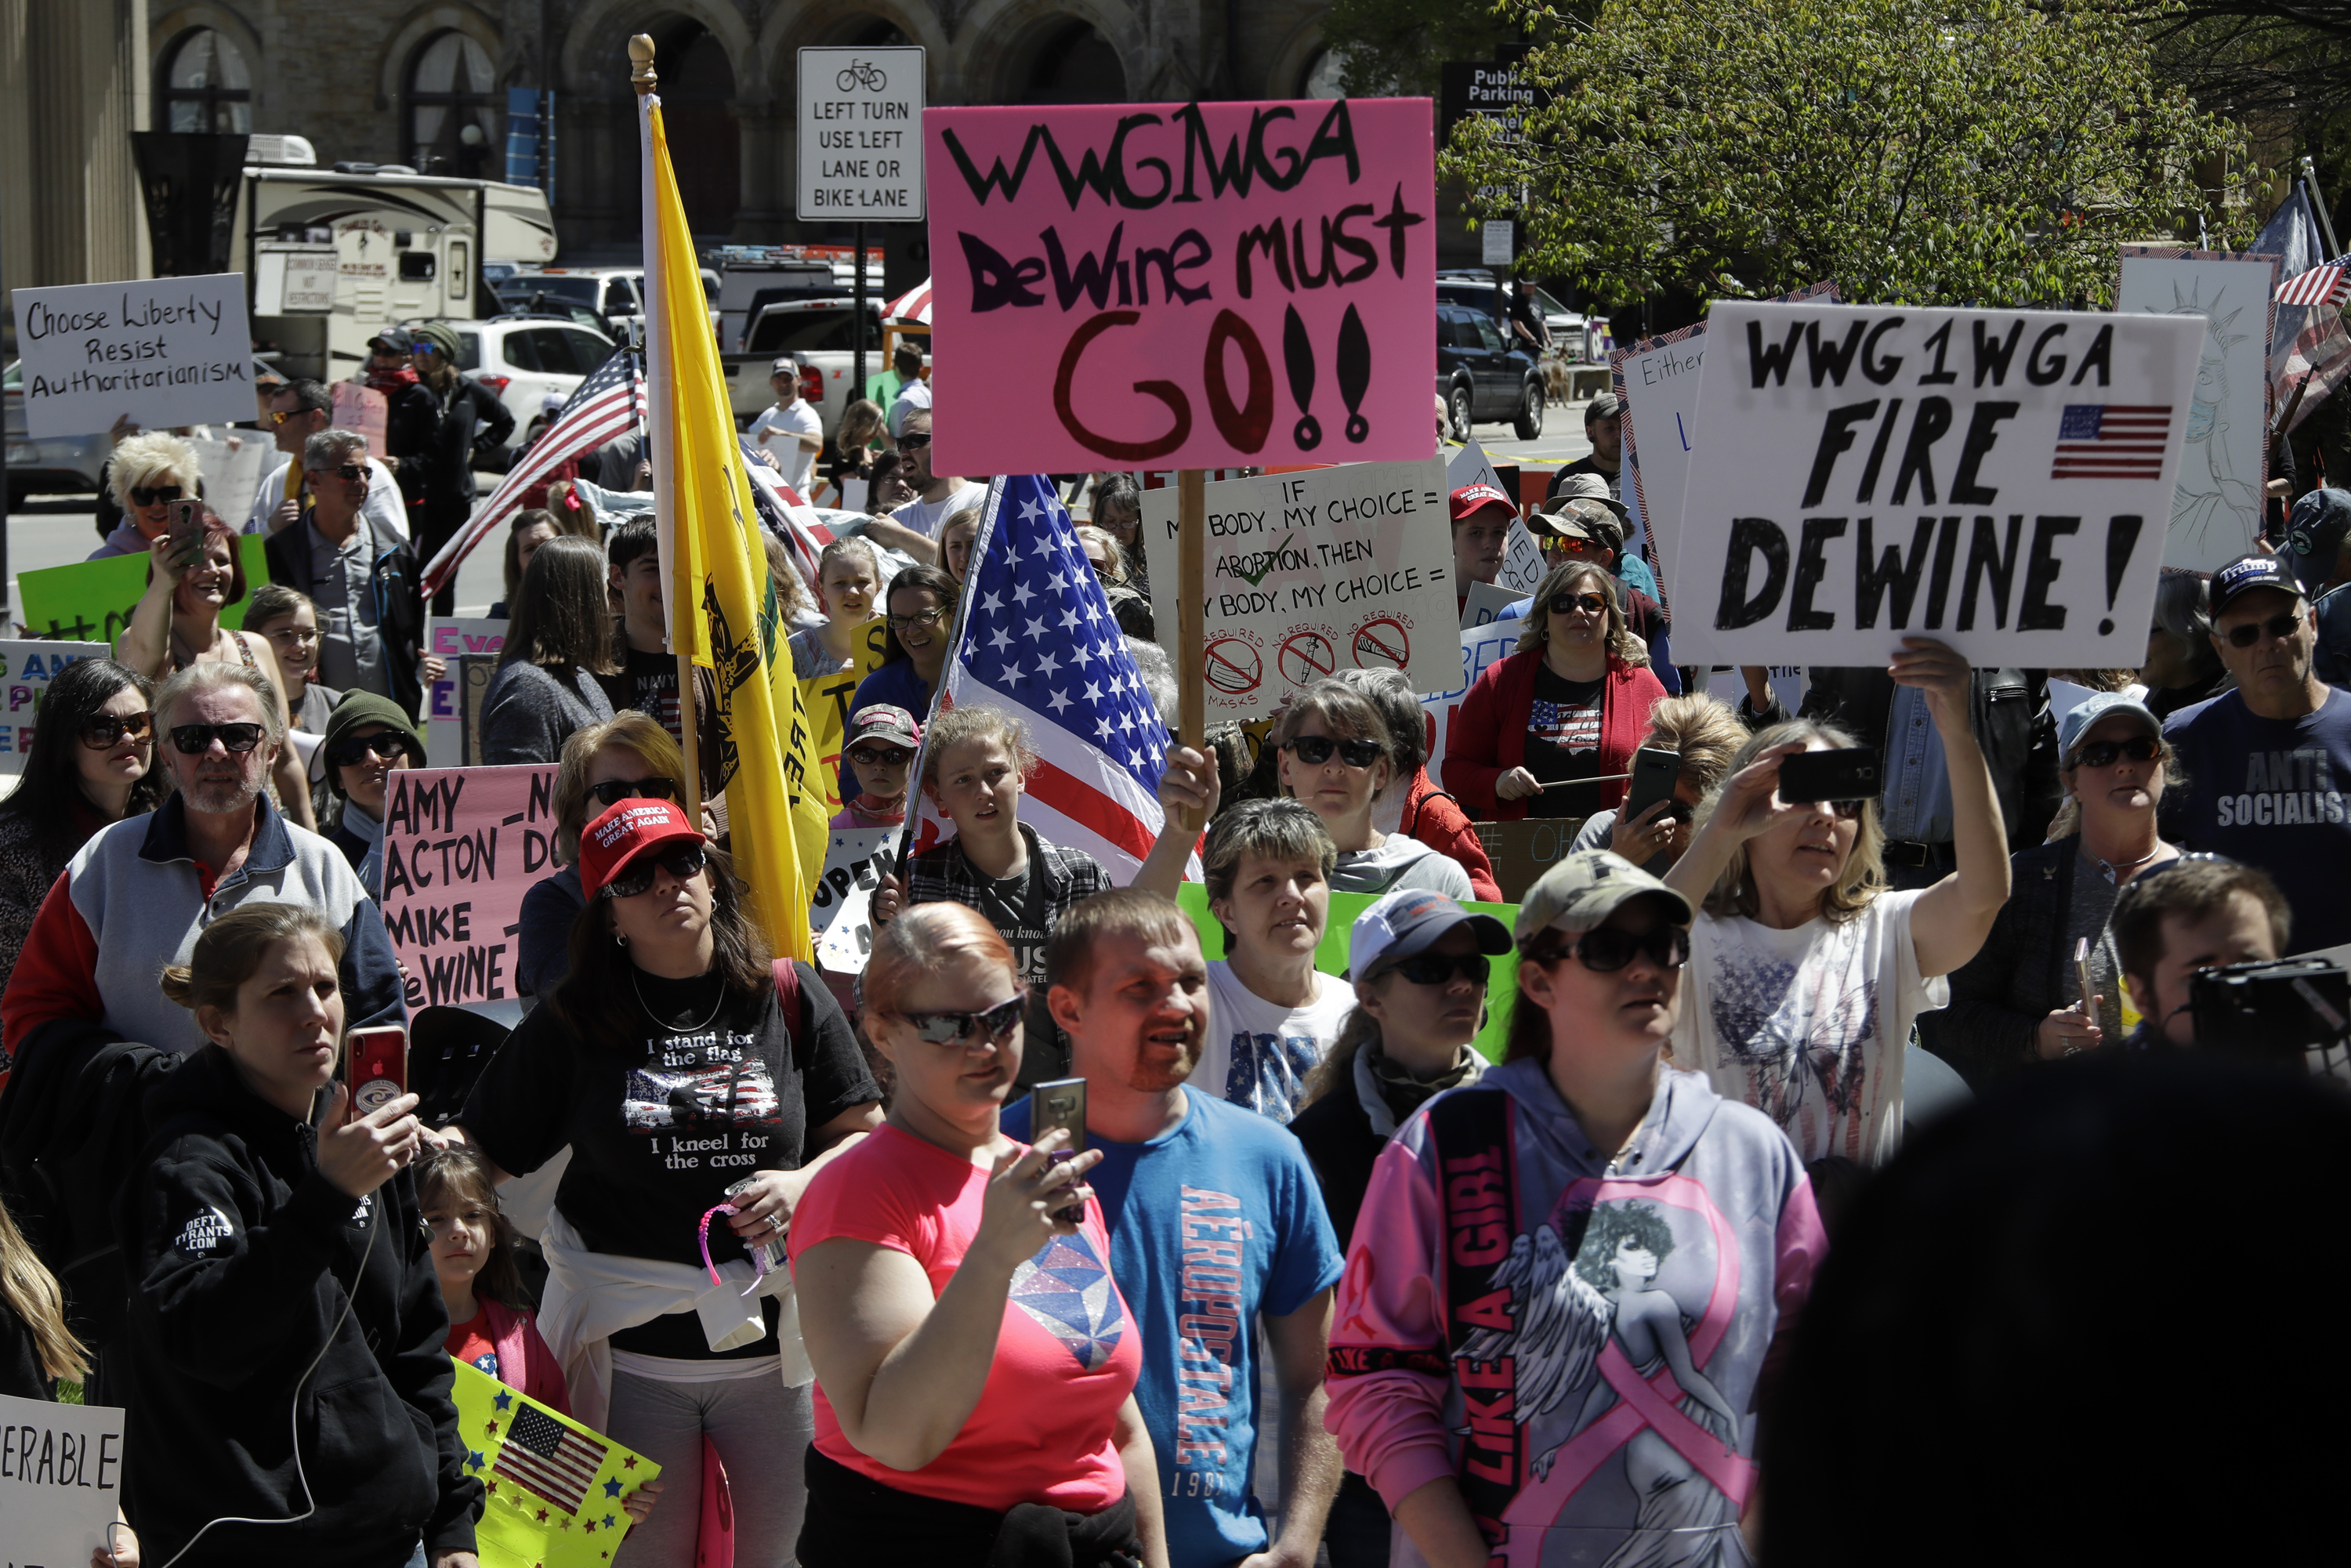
640, 62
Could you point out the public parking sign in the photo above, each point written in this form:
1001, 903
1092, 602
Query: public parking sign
862, 135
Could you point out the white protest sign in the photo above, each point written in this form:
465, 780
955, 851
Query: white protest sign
61, 1480
848, 942
444, 708
234, 468
1522, 562
165, 350
1317, 571
26, 671
2216, 510
1487, 602
854, 858
1481, 646
461, 848
1996, 479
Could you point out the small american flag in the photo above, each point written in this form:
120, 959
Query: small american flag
544, 1456
2112, 441
608, 404
1037, 639
2327, 285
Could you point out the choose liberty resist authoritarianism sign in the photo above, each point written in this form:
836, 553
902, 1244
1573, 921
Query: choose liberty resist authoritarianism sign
1997, 479
165, 350
1182, 286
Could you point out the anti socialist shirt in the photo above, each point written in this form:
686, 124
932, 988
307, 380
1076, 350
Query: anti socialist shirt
2271, 792
1211, 1223
708, 1093
1563, 740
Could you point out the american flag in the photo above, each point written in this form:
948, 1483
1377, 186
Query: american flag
609, 403
1036, 637
2327, 285
2112, 441
543, 1455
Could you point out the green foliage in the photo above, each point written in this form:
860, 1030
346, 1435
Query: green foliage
1396, 45
1985, 151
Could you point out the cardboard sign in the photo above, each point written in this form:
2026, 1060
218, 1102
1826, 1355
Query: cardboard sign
362, 410
1481, 646
445, 714
1522, 850
1318, 572
855, 859
92, 600
60, 1480
2216, 509
827, 699
551, 1488
165, 350
26, 671
234, 465
848, 940
1182, 286
1660, 376
461, 847
1997, 479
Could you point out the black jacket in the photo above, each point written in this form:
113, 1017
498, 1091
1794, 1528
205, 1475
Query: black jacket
434, 441
2013, 723
2019, 977
397, 585
241, 1256
1343, 1149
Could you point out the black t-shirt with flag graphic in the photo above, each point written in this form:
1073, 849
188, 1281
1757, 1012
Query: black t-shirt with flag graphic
1562, 741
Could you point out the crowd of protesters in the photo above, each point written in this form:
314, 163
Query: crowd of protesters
1308, 1271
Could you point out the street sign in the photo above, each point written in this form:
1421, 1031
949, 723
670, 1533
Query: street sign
861, 135
1496, 235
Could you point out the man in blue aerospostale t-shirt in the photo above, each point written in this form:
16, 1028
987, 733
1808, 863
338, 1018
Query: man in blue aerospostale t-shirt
2269, 765
1217, 1225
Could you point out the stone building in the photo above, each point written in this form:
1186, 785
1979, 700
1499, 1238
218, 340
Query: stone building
395, 81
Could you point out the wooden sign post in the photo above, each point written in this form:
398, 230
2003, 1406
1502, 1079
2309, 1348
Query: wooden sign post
1191, 615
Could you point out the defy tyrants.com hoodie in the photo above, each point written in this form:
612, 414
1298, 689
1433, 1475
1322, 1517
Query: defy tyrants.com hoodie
1575, 1341
242, 1256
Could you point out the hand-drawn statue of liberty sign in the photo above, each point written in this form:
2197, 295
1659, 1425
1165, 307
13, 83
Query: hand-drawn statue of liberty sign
2216, 508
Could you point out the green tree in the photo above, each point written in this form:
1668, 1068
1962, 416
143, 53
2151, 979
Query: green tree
1960, 152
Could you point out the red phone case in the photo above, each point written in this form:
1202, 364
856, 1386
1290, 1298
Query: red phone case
378, 1068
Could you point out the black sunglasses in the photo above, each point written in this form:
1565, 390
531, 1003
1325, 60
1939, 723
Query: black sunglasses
684, 864
1568, 603
879, 756
2281, 626
101, 733
390, 744
910, 441
951, 1028
350, 471
1604, 949
1315, 750
141, 495
2102, 753
195, 739
1439, 968
613, 791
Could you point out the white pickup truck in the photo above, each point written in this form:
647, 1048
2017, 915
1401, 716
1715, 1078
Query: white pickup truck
817, 334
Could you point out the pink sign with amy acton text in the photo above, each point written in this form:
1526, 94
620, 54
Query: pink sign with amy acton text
1182, 286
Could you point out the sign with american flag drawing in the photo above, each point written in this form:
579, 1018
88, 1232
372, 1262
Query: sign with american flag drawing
552, 1489
1998, 480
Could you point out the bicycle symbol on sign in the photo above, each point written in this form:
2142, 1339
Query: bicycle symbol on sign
861, 73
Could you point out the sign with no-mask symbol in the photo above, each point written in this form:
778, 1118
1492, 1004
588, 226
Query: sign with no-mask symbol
1999, 480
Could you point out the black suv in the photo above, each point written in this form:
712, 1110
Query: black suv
1482, 376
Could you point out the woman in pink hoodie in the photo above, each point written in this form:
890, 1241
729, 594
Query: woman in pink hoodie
1547, 1349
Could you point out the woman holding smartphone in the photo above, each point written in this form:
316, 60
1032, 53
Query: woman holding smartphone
688, 1075
1805, 972
976, 1364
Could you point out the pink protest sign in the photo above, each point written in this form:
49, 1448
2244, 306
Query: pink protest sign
461, 847
1182, 286
363, 411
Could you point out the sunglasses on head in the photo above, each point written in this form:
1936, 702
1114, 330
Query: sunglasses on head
1604, 949
390, 744
913, 440
1569, 603
1315, 750
148, 496
682, 863
1440, 968
195, 739
879, 756
101, 733
956, 1028
613, 791
2279, 626
2102, 753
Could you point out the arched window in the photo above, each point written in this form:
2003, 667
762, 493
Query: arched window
452, 108
207, 85
1074, 64
1321, 78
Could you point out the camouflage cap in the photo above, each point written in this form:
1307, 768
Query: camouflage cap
1585, 889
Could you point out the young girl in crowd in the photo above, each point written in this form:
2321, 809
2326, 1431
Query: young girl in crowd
1336, 755
880, 748
472, 1257
1656, 1241
957, 536
525, 535
290, 622
849, 580
1805, 972
972, 1409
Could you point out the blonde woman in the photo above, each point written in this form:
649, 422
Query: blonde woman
147, 473
1705, 734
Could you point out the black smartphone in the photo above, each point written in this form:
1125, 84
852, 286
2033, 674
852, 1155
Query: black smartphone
1654, 773
1060, 1103
1848, 774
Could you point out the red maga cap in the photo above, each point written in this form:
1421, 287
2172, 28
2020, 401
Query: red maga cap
627, 829
1473, 498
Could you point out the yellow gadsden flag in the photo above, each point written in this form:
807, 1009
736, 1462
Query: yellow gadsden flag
755, 737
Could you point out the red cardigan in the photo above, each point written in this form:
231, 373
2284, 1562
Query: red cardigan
1436, 820
1487, 736
525, 1362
